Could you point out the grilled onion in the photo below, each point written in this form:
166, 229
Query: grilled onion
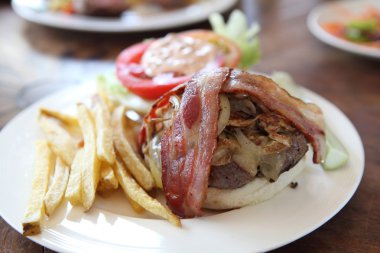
247, 155
224, 114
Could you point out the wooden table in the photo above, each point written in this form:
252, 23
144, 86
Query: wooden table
31, 53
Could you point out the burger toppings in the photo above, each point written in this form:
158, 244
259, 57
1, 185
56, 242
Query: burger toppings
261, 144
230, 127
151, 68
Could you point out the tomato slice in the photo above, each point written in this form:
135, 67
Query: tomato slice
132, 74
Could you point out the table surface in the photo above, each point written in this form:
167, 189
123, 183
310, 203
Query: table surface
32, 54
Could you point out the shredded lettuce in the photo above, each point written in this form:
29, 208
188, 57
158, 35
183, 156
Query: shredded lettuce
355, 35
369, 25
360, 30
109, 84
336, 155
237, 30
110, 88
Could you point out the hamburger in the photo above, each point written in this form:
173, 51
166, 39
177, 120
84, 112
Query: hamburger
228, 138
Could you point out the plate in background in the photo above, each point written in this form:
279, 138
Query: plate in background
131, 21
331, 12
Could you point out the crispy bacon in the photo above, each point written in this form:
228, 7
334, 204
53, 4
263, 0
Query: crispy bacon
187, 146
162, 101
306, 117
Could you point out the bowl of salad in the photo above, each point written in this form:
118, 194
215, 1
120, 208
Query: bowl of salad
353, 26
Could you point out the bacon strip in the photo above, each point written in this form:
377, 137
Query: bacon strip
306, 117
188, 145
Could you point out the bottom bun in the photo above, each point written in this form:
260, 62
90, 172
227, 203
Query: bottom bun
254, 192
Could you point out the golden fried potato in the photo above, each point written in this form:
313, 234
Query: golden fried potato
90, 162
57, 188
74, 186
60, 141
108, 180
65, 118
137, 194
135, 206
125, 148
44, 163
104, 143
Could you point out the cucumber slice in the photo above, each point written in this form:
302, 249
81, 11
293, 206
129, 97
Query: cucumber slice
337, 155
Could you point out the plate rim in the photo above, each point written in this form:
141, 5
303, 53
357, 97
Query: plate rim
115, 25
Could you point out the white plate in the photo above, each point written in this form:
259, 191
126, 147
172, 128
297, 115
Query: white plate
130, 21
111, 226
331, 12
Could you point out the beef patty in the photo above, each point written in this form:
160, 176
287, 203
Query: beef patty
232, 176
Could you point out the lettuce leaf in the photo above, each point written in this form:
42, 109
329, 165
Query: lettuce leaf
237, 29
110, 88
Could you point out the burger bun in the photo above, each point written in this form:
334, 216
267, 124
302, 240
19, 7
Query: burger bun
258, 190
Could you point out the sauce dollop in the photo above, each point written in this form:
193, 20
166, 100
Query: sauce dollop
182, 55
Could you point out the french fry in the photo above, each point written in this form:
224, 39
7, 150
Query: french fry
108, 180
104, 143
130, 101
60, 141
126, 151
136, 193
103, 94
74, 186
90, 162
57, 188
135, 206
44, 162
65, 118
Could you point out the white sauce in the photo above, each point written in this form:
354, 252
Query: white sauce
177, 54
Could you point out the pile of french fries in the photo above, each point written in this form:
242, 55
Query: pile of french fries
91, 153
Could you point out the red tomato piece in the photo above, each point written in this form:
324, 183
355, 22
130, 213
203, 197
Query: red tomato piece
132, 74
